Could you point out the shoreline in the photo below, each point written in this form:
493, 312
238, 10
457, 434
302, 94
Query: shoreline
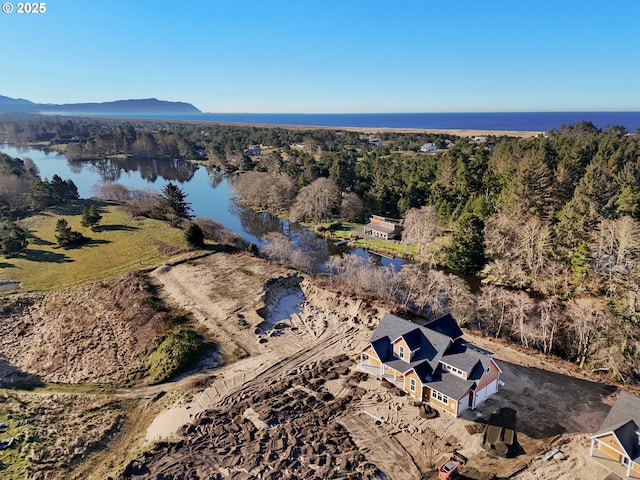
461, 132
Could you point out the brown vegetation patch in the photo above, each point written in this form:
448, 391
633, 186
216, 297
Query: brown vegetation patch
54, 432
100, 332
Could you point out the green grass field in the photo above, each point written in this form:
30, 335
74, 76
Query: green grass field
119, 244
349, 230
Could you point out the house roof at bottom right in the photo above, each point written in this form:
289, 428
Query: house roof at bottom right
623, 421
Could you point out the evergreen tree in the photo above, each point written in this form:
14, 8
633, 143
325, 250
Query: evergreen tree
194, 235
580, 261
67, 237
173, 206
465, 254
40, 194
90, 217
13, 239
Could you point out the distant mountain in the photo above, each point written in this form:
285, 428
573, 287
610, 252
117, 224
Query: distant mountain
8, 104
147, 106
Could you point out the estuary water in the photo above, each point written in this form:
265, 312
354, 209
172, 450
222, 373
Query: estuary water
208, 191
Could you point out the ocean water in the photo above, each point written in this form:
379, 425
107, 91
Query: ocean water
517, 121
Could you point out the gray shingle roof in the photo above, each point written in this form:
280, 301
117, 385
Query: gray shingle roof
446, 325
450, 384
380, 228
624, 421
431, 344
466, 357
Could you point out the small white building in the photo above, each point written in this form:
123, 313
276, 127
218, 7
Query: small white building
428, 147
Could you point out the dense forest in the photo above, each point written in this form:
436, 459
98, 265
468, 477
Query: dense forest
550, 224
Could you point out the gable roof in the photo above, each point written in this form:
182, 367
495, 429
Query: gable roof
430, 344
468, 358
623, 421
445, 325
450, 385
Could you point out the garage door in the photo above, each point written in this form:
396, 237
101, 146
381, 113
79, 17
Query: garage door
492, 388
484, 393
463, 404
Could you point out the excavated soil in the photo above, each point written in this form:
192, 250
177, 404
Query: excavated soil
286, 400
291, 329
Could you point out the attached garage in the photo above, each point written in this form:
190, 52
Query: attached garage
486, 392
463, 403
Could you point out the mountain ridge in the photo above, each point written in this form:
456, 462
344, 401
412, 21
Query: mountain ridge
128, 107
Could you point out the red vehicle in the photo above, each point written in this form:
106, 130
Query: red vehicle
448, 469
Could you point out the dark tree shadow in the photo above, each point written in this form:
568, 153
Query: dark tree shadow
7, 265
71, 208
45, 256
93, 243
113, 228
75, 207
12, 377
33, 240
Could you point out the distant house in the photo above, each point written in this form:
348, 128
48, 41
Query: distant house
619, 435
478, 140
251, 151
384, 228
431, 363
371, 140
428, 147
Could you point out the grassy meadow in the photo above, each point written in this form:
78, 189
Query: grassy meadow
349, 230
119, 244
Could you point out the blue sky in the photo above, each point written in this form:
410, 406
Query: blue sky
329, 56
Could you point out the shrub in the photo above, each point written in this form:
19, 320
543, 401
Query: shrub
180, 349
194, 235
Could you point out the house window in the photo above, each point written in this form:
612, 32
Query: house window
401, 352
451, 369
440, 397
412, 384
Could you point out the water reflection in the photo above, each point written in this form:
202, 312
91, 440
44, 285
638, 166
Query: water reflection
215, 177
257, 224
111, 170
209, 191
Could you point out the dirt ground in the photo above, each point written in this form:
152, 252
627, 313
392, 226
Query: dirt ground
553, 410
286, 399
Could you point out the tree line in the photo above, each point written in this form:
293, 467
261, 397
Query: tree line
550, 223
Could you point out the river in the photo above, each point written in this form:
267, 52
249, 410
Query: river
208, 191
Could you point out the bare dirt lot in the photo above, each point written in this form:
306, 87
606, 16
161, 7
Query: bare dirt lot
286, 399
294, 355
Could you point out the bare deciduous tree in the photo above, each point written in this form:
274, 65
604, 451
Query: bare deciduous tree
316, 201
351, 206
281, 249
586, 316
616, 244
113, 191
424, 289
521, 306
14, 191
462, 303
519, 249
266, 191
421, 227
493, 304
